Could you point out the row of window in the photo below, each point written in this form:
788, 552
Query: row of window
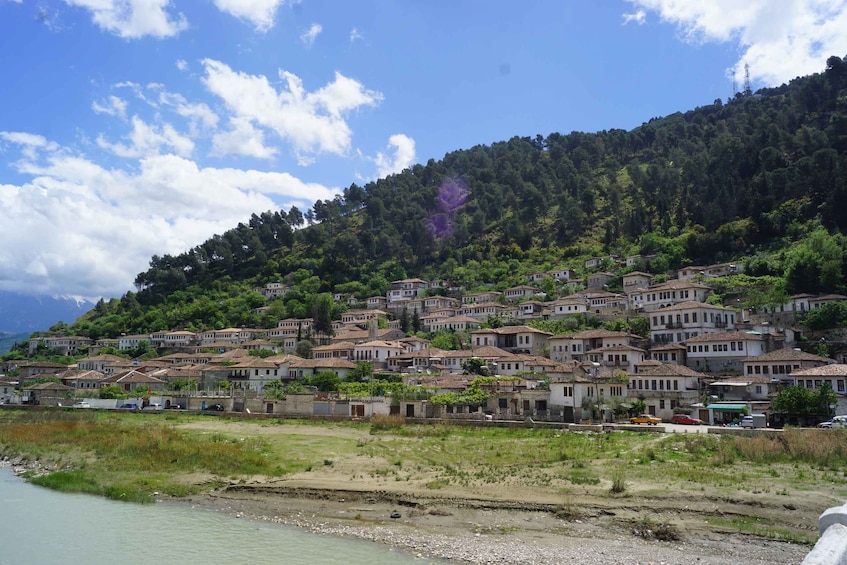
817, 383
653, 384
775, 369
668, 295
686, 318
732, 346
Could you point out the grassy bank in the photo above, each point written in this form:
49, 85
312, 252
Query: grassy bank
127, 456
772, 487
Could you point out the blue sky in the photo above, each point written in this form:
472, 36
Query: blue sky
140, 127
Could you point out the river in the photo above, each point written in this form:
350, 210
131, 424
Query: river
43, 527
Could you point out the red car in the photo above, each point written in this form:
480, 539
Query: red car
685, 419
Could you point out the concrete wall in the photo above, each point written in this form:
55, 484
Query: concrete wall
831, 548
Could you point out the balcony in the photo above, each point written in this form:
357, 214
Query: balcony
720, 324
673, 325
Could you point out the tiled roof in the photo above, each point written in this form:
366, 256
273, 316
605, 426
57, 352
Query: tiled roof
833, 370
596, 334
652, 368
789, 354
725, 336
688, 305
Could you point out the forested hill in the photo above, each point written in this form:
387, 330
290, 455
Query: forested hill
743, 178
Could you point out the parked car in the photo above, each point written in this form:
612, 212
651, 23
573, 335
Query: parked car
836, 422
686, 419
82, 404
645, 419
218, 407
130, 406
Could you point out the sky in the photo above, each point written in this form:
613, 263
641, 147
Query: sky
133, 128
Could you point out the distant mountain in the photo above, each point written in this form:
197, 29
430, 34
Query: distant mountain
26, 314
7, 340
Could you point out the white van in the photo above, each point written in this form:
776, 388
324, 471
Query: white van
754, 421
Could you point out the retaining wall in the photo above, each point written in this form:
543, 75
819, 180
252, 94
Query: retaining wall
831, 548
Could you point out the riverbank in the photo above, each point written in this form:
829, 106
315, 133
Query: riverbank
486, 495
482, 531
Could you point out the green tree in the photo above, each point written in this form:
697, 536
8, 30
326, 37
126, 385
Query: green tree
322, 314
828, 316
800, 401
362, 373
112, 391
405, 323
325, 381
476, 366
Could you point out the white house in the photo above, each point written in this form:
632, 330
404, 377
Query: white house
683, 321
725, 351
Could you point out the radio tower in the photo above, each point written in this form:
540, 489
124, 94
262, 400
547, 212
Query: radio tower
747, 90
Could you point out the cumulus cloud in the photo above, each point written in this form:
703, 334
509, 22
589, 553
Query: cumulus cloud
242, 139
308, 37
355, 35
313, 122
261, 13
181, 64
132, 19
145, 140
97, 227
199, 115
404, 155
778, 43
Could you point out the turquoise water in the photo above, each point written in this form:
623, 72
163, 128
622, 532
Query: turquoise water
41, 526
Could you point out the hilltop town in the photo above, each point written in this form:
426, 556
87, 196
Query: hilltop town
656, 348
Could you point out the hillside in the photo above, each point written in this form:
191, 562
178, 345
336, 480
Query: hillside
759, 178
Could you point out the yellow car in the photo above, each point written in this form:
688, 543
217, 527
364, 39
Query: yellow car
645, 419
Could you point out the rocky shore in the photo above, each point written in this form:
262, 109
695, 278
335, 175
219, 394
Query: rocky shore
442, 531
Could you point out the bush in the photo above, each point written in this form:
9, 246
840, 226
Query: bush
381, 422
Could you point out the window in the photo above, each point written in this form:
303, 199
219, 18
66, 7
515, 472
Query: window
758, 389
661, 405
676, 385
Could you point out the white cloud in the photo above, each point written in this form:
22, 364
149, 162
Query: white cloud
313, 122
260, 13
181, 64
114, 106
146, 140
354, 35
639, 17
778, 41
404, 155
242, 139
97, 227
308, 37
199, 114
132, 19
